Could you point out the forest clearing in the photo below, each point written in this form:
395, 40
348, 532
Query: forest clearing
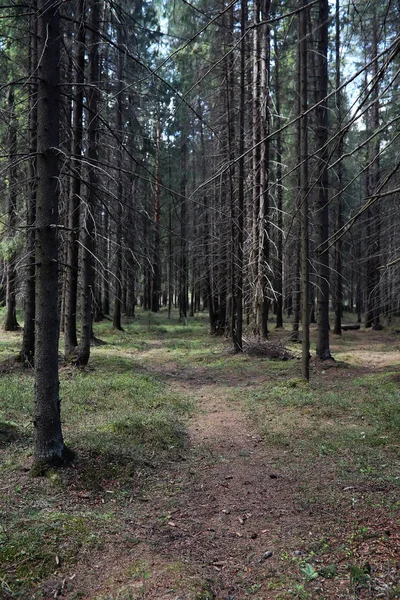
201, 473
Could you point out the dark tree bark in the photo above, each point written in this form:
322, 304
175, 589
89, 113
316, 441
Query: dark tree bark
71, 291
28, 340
304, 192
238, 333
120, 188
279, 194
183, 259
373, 299
156, 272
10, 321
87, 271
338, 299
322, 204
263, 216
49, 443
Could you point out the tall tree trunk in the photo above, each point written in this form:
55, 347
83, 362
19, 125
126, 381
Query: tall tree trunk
304, 193
71, 292
156, 275
373, 300
49, 443
279, 194
338, 300
183, 261
10, 321
263, 215
322, 205
256, 162
120, 189
238, 333
28, 340
87, 272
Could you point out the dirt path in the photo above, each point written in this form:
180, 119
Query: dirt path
230, 520
217, 524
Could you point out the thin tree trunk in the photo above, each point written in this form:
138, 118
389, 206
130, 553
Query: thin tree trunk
87, 272
322, 205
28, 340
279, 193
120, 188
71, 292
338, 300
10, 321
304, 192
156, 275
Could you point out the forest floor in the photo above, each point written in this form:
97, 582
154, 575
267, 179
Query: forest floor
202, 474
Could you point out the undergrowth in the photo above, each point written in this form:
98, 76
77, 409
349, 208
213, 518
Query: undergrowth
126, 422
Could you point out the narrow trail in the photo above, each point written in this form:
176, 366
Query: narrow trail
216, 524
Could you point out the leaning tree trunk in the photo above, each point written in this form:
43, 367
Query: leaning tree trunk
49, 443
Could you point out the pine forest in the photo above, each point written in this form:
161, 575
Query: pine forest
199, 299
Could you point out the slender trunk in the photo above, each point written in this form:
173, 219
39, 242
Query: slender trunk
322, 204
87, 272
71, 292
183, 274
120, 188
28, 340
279, 193
10, 321
156, 276
238, 338
304, 192
338, 301
256, 161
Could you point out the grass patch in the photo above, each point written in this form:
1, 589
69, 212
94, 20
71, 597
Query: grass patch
35, 546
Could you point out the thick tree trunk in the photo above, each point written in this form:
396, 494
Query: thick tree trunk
49, 443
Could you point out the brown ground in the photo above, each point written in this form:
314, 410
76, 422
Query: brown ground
232, 519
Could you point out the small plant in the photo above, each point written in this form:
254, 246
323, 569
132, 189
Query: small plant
359, 575
328, 572
309, 572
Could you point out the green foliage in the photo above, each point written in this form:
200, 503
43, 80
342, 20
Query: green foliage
9, 247
309, 572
